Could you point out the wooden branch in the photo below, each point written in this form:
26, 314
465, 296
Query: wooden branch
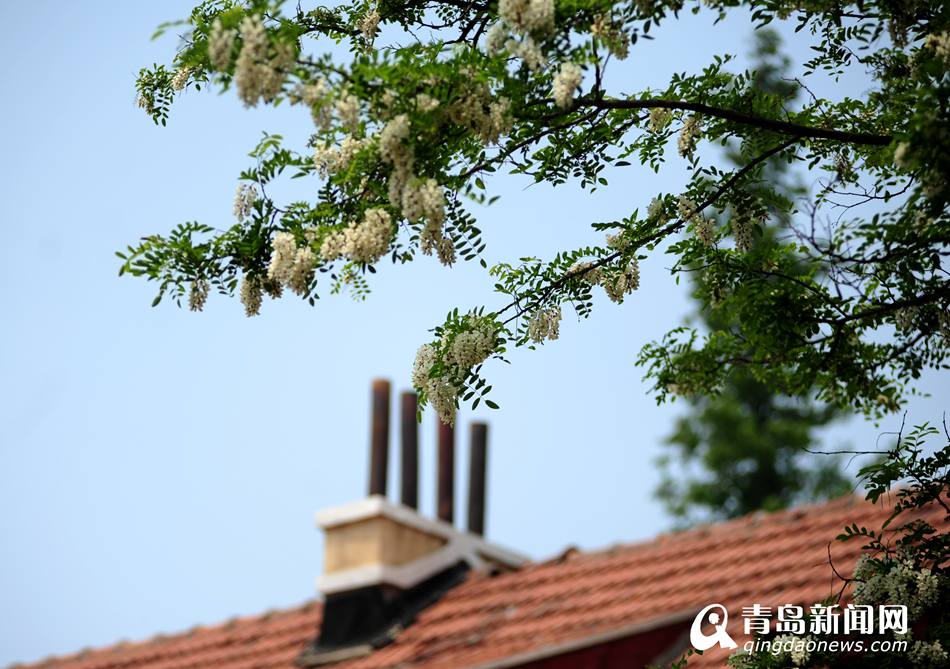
658, 234
763, 122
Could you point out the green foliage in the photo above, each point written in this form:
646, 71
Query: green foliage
414, 118
904, 561
750, 447
745, 448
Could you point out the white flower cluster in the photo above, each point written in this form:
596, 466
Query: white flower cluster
471, 347
527, 50
426, 103
244, 200
928, 654
524, 18
220, 44
617, 284
487, 118
704, 230
466, 350
251, 293
369, 27
586, 272
692, 128
617, 41
702, 226
528, 16
440, 391
902, 156
329, 160
660, 118
940, 43
180, 80
348, 110
316, 95
900, 583
258, 74
656, 211
545, 324
742, 226
566, 82
623, 283
289, 265
495, 38
418, 199
364, 242
198, 295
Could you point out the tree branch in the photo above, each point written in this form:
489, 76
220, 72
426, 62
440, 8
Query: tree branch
774, 125
657, 234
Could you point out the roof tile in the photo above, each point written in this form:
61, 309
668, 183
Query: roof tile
770, 559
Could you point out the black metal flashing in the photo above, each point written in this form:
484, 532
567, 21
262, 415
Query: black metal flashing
357, 622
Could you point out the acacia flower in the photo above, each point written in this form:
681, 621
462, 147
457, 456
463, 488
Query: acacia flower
566, 82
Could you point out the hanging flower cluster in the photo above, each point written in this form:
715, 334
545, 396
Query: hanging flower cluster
897, 581
486, 117
660, 118
440, 391
461, 350
545, 324
692, 128
244, 200
940, 43
622, 283
656, 211
251, 294
220, 45
330, 160
316, 96
291, 266
521, 21
742, 226
369, 27
260, 67
418, 199
363, 242
198, 295
617, 41
702, 226
180, 80
347, 108
617, 284
566, 82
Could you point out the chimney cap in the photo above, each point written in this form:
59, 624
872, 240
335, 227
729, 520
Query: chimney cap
455, 546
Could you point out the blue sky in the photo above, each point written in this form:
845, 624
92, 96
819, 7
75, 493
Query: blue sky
160, 469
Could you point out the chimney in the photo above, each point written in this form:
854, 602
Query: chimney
478, 461
445, 502
379, 439
409, 442
385, 562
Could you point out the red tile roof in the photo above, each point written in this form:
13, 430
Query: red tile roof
770, 559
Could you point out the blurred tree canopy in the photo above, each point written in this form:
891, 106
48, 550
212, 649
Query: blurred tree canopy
745, 448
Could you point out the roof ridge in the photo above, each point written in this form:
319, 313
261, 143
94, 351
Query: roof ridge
719, 526
158, 639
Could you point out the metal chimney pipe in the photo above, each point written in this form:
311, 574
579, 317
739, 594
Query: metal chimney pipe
409, 442
379, 439
478, 460
445, 504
